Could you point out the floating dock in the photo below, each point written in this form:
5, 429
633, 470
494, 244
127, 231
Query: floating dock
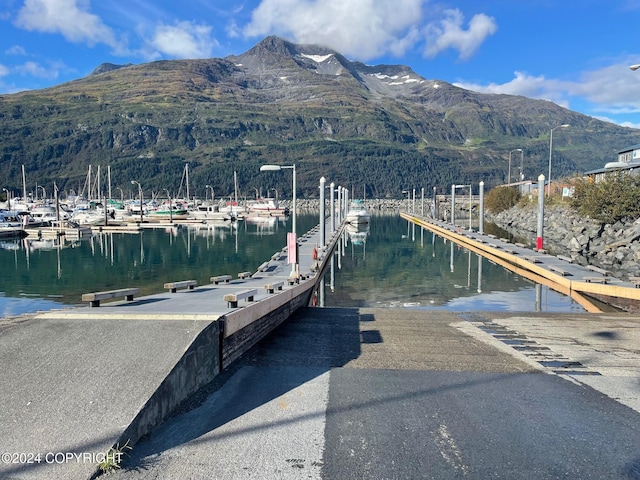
557, 272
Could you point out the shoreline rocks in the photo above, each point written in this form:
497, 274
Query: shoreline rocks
613, 247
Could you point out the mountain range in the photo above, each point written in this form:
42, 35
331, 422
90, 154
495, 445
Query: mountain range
377, 130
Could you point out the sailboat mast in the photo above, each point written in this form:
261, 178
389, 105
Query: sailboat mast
24, 185
235, 185
186, 169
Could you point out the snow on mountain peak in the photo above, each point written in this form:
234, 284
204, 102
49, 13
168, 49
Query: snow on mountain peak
397, 79
317, 58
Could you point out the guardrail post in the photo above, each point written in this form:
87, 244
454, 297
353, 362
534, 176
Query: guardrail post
332, 206
539, 238
453, 205
481, 210
435, 208
322, 213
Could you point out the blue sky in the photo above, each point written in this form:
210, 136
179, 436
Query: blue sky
576, 53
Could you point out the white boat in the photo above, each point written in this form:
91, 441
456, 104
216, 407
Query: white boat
168, 211
358, 233
11, 225
89, 217
357, 213
235, 209
210, 213
266, 207
44, 214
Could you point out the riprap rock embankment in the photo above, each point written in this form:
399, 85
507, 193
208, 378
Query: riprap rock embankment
613, 247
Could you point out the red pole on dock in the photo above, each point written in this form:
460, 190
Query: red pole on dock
539, 238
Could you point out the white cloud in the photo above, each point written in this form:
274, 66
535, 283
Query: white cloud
15, 50
611, 90
527, 86
4, 71
34, 69
367, 29
449, 33
70, 18
183, 40
614, 85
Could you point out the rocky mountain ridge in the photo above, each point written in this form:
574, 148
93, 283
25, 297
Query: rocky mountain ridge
377, 129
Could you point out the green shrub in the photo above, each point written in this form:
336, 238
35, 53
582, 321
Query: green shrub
501, 198
616, 197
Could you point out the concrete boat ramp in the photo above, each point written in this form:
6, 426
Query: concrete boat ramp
77, 382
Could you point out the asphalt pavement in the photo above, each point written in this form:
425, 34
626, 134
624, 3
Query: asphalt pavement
402, 393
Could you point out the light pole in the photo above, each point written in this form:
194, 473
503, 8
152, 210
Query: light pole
550, 150
521, 165
514, 150
121, 194
133, 182
212, 196
453, 202
275, 168
170, 206
8, 199
408, 200
44, 192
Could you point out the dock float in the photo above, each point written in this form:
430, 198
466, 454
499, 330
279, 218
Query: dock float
567, 278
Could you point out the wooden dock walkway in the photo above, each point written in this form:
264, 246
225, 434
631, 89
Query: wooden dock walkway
557, 272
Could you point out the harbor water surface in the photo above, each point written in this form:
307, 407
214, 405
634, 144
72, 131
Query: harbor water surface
387, 263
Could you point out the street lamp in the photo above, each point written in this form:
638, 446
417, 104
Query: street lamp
8, 199
453, 203
275, 168
170, 206
550, 150
408, 200
121, 194
514, 150
133, 182
211, 188
521, 165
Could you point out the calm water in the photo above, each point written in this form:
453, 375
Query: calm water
395, 263
391, 263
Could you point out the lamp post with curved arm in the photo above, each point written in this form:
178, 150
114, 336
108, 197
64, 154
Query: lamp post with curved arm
210, 188
133, 182
550, 150
509, 177
274, 168
170, 206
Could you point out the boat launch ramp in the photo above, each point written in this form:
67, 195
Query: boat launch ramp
78, 381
